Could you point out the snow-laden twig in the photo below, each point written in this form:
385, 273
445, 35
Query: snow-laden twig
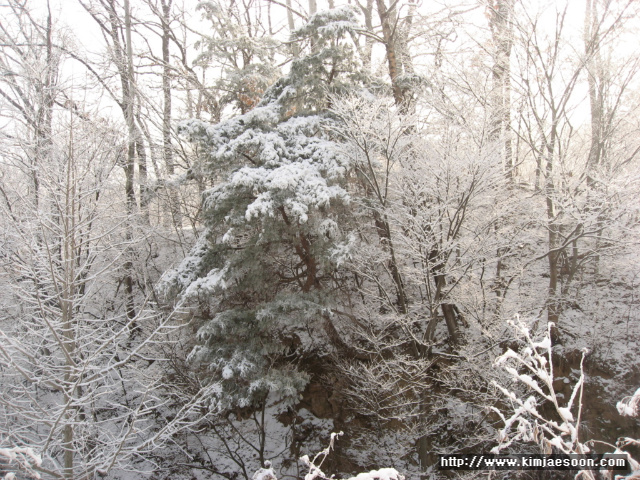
530, 425
630, 406
314, 470
26, 459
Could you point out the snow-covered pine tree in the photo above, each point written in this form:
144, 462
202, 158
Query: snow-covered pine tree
238, 43
263, 274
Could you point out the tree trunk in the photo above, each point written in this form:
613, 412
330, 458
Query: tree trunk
384, 232
595, 83
553, 310
448, 309
174, 205
388, 22
368, 41
500, 15
295, 49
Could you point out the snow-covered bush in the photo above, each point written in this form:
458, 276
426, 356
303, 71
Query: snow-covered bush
315, 473
528, 422
532, 366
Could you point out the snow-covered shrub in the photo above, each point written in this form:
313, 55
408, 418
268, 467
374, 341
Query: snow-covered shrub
532, 366
527, 422
315, 473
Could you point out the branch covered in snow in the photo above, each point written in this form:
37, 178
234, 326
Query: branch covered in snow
630, 406
26, 459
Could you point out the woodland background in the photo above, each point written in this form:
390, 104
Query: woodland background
230, 228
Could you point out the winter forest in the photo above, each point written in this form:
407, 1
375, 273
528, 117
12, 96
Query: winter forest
287, 239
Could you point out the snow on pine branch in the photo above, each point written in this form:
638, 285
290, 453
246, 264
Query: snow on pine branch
333, 23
